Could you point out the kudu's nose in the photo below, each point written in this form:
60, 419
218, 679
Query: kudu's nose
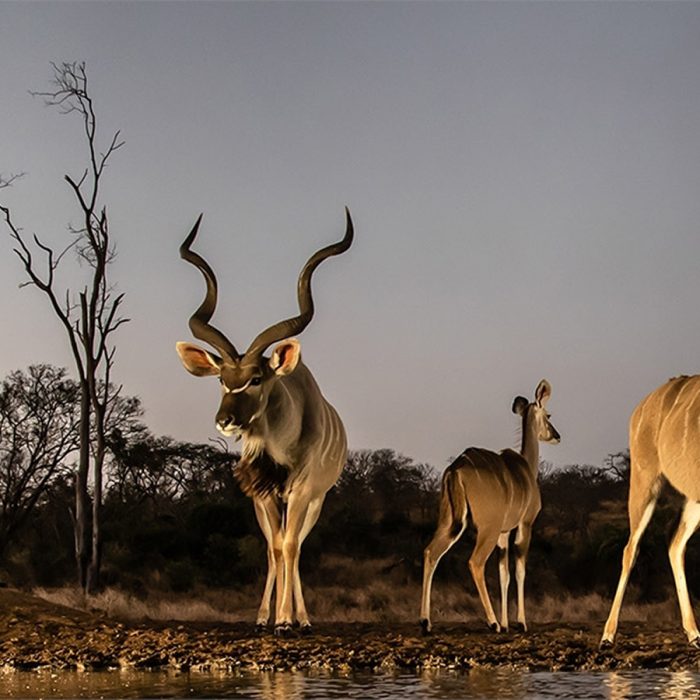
224, 420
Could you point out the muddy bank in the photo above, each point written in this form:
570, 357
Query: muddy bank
34, 633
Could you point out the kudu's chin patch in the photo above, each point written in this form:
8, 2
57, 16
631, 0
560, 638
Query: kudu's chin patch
231, 432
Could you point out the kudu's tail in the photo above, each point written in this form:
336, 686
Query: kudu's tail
453, 502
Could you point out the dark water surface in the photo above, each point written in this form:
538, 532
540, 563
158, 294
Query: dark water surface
499, 683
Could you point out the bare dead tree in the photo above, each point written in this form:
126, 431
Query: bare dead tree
89, 314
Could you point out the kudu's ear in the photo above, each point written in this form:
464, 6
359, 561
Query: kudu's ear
520, 403
198, 361
543, 392
285, 356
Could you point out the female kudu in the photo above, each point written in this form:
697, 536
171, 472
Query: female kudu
501, 493
664, 442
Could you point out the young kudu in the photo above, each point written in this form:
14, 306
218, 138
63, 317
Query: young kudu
500, 491
294, 444
664, 442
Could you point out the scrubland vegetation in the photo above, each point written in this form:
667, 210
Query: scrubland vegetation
181, 540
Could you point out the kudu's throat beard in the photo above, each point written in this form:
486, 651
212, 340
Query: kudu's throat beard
257, 474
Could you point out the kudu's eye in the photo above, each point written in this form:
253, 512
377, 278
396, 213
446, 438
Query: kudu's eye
256, 381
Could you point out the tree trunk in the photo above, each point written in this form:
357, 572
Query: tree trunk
81, 525
93, 580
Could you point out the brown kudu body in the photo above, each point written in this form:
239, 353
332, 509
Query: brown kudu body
294, 443
500, 492
664, 442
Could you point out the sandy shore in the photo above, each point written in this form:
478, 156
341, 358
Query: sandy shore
35, 633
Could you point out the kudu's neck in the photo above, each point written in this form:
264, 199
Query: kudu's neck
530, 445
293, 404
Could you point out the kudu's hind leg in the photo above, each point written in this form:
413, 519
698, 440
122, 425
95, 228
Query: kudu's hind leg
522, 546
642, 500
690, 519
485, 544
452, 519
445, 536
268, 516
504, 577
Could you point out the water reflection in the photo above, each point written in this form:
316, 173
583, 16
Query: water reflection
282, 686
681, 686
478, 683
619, 686
481, 683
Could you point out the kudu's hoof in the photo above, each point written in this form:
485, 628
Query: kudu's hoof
494, 627
261, 627
425, 628
605, 644
519, 627
305, 628
695, 643
283, 630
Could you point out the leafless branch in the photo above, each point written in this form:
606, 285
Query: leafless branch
221, 444
7, 180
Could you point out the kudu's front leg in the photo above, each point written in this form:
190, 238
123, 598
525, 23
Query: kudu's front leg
504, 577
522, 547
297, 508
312, 513
269, 516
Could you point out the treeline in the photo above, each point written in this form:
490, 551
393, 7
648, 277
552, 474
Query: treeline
174, 519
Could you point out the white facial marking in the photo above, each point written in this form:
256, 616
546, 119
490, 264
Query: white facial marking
229, 430
238, 389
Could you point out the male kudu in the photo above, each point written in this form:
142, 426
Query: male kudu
664, 442
500, 491
294, 444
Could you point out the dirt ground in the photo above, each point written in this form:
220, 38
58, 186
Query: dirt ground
35, 633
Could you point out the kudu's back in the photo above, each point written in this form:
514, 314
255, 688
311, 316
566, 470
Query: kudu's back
497, 482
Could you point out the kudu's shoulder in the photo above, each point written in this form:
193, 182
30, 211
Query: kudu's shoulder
671, 397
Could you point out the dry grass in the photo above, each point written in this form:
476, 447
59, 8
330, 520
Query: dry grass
375, 592
594, 607
205, 606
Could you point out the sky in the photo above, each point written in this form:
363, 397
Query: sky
524, 179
